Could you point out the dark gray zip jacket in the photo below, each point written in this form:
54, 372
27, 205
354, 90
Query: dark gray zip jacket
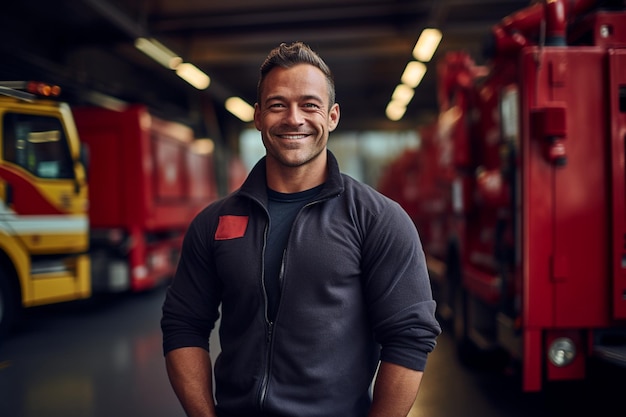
355, 290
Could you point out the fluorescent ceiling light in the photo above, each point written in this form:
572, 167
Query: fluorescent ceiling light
204, 146
413, 73
193, 75
240, 108
106, 101
427, 44
395, 110
403, 94
159, 52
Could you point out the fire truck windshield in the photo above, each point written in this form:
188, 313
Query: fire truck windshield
37, 144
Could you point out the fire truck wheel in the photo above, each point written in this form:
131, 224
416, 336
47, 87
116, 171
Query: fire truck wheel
9, 304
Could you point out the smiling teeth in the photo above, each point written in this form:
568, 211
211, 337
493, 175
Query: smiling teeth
293, 136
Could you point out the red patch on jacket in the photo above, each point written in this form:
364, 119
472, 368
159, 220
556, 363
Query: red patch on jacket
231, 227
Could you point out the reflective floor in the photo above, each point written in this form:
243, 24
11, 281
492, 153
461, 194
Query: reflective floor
88, 359
102, 358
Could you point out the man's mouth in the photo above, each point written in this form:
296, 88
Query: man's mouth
293, 137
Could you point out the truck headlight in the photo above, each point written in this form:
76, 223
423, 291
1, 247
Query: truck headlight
562, 351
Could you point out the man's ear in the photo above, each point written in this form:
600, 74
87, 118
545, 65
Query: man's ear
333, 117
257, 117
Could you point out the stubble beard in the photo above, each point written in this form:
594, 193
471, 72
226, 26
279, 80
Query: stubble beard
302, 155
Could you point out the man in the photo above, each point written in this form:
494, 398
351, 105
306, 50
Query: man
319, 277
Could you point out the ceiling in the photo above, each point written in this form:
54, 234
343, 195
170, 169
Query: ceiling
86, 46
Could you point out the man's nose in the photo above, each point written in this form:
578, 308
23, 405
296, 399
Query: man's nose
294, 115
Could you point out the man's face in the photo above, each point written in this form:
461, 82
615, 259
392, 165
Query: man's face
293, 115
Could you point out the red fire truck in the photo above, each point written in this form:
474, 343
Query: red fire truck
146, 182
520, 196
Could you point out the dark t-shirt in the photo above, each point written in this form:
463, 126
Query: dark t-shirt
283, 210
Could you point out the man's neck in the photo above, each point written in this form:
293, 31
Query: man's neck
295, 179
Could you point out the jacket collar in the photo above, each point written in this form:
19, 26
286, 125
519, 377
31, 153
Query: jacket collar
255, 185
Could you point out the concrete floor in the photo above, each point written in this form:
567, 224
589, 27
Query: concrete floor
102, 358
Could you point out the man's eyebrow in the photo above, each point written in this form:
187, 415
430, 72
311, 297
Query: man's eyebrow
274, 97
306, 97
312, 97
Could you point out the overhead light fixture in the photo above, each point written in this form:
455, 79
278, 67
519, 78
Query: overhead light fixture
427, 44
403, 94
106, 101
159, 52
395, 110
240, 108
193, 75
169, 59
413, 73
204, 146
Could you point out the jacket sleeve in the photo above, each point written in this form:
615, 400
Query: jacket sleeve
191, 305
398, 291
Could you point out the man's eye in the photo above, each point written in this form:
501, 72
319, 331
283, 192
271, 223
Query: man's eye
311, 105
276, 105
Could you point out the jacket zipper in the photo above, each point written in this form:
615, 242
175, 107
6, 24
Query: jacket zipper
266, 374
270, 324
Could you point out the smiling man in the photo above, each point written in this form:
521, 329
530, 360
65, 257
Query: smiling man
321, 280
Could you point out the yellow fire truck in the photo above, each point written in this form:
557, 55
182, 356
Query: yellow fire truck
44, 227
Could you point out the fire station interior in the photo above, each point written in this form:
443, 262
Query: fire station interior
498, 125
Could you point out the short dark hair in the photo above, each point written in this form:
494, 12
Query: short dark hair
287, 56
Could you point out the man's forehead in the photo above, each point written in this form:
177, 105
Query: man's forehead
299, 80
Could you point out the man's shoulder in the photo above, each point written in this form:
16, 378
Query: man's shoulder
365, 193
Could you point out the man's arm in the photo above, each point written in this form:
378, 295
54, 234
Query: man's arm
395, 390
191, 376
